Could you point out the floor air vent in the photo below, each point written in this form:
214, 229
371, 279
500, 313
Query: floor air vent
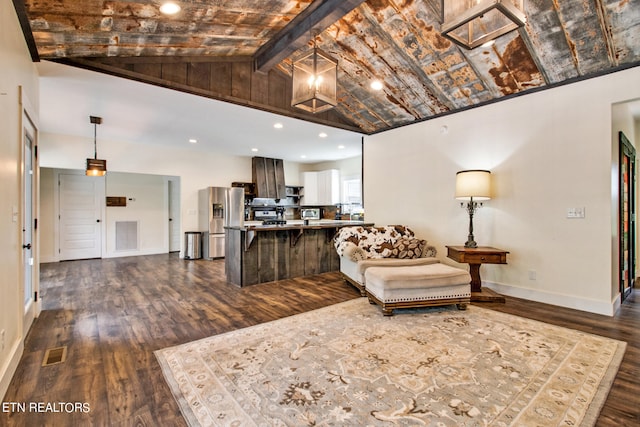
53, 356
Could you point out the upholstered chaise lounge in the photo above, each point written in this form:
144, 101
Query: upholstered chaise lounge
361, 247
396, 270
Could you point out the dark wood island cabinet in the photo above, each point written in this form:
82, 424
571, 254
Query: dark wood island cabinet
266, 253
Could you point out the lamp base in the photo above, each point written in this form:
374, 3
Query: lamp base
472, 206
471, 244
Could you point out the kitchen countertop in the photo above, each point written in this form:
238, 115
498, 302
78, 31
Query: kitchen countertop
294, 224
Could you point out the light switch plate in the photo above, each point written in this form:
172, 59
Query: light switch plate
575, 212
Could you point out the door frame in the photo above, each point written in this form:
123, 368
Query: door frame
627, 217
174, 217
29, 125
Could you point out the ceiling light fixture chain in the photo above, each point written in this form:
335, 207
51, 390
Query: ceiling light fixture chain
95, 136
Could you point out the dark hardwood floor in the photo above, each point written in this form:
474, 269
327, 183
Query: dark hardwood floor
113, 313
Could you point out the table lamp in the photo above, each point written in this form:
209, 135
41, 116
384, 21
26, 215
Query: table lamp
473, 186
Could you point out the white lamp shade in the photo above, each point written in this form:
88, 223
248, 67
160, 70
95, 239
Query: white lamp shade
473, 183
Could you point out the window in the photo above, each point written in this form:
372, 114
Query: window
351, 195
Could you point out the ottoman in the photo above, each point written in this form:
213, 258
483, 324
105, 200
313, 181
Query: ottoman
417, 286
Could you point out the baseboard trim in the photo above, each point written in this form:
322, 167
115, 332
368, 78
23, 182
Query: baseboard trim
47, 259
9, 369
123, 254
573, 301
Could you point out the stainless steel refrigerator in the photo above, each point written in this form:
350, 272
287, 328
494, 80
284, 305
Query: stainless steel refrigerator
218, 207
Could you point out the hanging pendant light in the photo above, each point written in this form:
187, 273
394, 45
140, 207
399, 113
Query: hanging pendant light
315, 77
472, 23
96, 166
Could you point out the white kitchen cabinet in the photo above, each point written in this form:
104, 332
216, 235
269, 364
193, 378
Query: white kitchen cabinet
321, 188
330, 187
310, 184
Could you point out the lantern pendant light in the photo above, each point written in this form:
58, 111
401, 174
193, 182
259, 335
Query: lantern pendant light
315, 76
96, 166
472, 23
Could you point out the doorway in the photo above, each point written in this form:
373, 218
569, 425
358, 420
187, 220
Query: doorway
29, 203
627, 220
173, 188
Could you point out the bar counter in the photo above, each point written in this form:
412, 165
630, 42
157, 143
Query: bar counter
257, 253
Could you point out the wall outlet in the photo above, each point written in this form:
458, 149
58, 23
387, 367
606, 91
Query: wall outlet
2, 338
532, 275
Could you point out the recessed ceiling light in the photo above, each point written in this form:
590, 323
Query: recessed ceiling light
170, 8
255, 150
376, 85
322, 135
303, 157
193, 141
278, 126
341, 147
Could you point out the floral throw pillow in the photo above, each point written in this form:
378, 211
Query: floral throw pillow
353, 252
408, 247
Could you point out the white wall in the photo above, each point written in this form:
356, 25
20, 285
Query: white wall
547, 151
292, 175
351, 166
16, 71
48, 215
147, 204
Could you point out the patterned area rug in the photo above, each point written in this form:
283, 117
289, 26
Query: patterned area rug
348, 365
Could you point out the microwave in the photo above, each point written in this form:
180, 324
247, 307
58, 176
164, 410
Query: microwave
310, 213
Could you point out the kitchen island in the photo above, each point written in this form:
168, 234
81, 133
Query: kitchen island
257, 253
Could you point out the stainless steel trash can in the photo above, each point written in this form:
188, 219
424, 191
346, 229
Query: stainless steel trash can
192, 245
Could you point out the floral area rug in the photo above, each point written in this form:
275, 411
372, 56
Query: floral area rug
347, 365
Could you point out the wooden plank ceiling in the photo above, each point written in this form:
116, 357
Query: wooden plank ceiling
240, 50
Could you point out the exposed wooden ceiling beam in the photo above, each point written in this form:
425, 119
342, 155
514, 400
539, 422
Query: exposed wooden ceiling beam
319, 15
21, 11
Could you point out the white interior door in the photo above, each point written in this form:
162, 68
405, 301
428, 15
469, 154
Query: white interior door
174, 215
29, 185
80, 216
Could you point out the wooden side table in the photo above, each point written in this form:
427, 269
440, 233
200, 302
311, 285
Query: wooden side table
475, 257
